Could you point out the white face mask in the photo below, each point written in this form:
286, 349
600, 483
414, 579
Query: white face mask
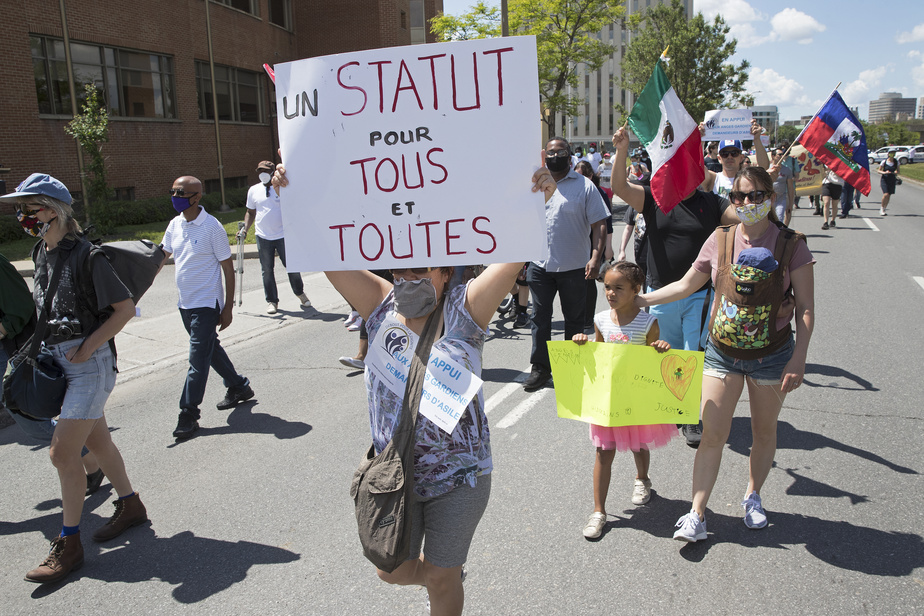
265, 177
751, 214
592, 150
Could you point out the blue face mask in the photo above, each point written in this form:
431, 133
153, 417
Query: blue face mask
181, 204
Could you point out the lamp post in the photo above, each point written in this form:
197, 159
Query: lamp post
221, 170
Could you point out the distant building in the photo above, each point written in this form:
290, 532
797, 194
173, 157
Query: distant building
149, 59
768, 116
890, 106
920, 115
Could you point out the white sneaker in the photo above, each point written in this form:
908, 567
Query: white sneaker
271, 308
754, 515
355, 325
350, 318
595, 524
882, 212
306, 303
692, 529
352, 362
642, 492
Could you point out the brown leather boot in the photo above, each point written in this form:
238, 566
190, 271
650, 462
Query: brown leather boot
128, 512
66, 555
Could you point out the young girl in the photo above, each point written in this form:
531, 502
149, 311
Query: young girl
624, 323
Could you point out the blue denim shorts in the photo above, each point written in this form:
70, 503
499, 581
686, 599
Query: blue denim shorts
764, 371
89, 383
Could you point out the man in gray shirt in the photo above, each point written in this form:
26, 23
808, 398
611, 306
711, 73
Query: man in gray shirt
576, 229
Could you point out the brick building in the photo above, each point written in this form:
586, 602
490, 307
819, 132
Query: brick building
150, 61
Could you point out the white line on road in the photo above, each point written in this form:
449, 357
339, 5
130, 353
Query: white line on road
919, 280
494, 401
870, 224
522, 409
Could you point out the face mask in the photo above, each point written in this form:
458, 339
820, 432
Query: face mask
32, 225
592, 150
414, 298
751, 214
265, 178
181, 204
557, 165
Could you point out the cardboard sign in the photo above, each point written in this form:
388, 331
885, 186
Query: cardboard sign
728, 124
393, 160
626, 385
808, 172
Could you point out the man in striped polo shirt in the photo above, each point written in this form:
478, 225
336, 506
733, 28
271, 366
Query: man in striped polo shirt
199, 245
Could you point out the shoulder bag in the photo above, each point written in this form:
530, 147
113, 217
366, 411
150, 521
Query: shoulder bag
383, 485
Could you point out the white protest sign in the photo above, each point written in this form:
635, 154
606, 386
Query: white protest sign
727, 124
392, 156
448, 386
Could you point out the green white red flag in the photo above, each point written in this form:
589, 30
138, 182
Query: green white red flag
671, 138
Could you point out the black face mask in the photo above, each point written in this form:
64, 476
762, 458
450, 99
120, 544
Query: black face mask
557, 164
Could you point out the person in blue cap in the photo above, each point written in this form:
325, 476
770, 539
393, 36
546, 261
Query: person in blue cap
43, 207
731, 155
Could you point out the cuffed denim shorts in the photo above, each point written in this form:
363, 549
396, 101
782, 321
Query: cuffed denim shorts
764, 371
89, 383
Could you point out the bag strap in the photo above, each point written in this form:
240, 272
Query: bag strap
39, 334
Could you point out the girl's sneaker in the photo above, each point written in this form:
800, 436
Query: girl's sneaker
351, 318
754, 515
691, 528
641, 494
595, 525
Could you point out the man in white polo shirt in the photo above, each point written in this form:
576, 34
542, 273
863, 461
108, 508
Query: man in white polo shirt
263, 206
201, 252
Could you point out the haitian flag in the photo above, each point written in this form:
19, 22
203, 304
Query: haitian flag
672, 139
835, 137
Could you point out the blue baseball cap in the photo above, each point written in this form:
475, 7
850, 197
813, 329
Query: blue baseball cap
730, 143
41, 184
758, 258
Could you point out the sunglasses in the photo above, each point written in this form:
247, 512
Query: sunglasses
27, 211
755, 196
727, 153
557, 154
419, 271
180, 192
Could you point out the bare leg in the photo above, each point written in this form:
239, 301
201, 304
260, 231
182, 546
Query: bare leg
443, 584
66, 445
363, 349
885, 200
719, 399
603, 466
110, 459
766, 402
642, 462
523, 295
90, 465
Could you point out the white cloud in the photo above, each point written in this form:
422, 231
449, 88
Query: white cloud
794, 25
917, 34
861, 89
917, 74
732, 11
747, 36
914, 54
771, 88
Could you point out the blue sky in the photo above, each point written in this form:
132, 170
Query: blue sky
799, 51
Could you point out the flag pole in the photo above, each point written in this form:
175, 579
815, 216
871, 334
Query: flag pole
796, 140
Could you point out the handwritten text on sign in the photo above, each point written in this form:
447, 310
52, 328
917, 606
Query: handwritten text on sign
626, 385
391, 156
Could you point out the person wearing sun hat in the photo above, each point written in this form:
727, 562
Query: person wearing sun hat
264, 208
43, 206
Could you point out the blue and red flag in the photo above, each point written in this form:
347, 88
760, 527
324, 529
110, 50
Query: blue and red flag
835, 137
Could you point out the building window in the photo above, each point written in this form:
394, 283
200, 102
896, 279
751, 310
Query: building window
248, 6
131, 83
240, 94
403, 20
280, 13
418, 22
214, 185
124, 194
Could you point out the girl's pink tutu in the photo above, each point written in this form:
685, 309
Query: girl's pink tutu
636, 438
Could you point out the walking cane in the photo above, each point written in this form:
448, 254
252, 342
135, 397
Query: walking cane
239, 266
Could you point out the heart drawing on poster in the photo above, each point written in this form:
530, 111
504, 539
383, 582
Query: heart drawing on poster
678, 374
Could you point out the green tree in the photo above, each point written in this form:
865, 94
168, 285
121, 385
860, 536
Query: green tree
567, 36
887, 133
91, 130
786, 133
699, 52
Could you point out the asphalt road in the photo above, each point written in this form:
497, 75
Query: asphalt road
254, 516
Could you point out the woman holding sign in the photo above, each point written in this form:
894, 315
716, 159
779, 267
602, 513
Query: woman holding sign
753, 267
452, 468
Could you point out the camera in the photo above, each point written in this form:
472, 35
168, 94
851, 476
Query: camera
65, 327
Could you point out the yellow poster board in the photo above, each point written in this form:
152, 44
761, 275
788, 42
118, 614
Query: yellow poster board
808, 172
626, 385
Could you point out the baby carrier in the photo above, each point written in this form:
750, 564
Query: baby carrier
748, 299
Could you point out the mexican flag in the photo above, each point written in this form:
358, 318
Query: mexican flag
672, 139
836, 138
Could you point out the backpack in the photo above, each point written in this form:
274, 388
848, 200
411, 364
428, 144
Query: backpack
743, 321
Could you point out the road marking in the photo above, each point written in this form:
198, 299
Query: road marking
870, 224
919, 280
522, 409
494, 401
